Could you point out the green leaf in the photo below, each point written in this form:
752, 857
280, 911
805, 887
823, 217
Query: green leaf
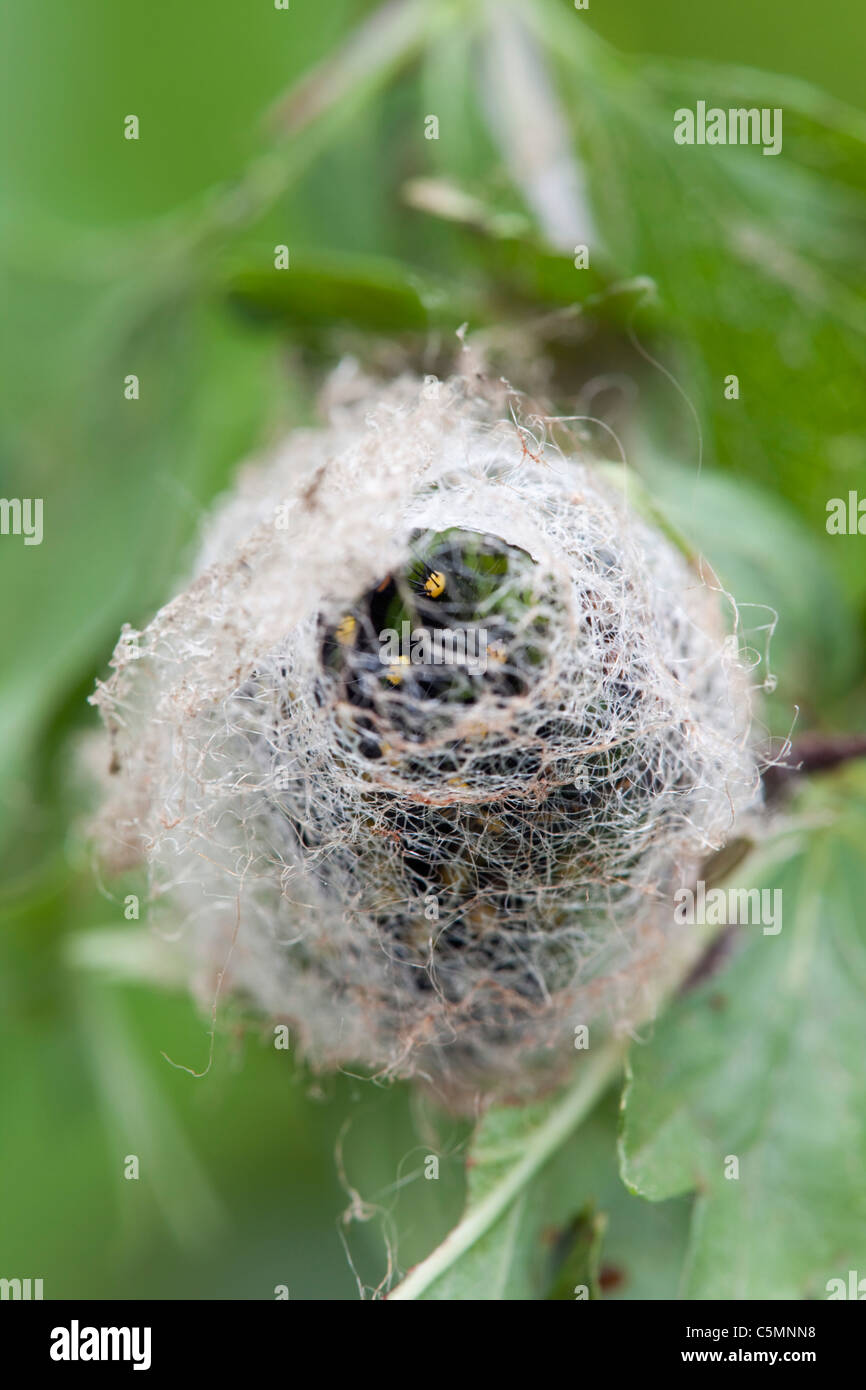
763, 1065
730, 241
572, 1222
368, 293
546, 1210
748, 537
490, 1253
115, 535
518, 268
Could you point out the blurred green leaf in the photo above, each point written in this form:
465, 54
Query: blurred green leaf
138, 1121
821, 134
758, 262
625, 1248
762, 1064
119, 519
494, 1252
514, 262
794, 612
370, 294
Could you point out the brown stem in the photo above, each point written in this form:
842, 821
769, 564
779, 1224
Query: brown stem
813, 753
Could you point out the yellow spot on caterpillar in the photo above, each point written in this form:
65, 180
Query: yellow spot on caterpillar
394, 677
497, 652
346, 629
434, 584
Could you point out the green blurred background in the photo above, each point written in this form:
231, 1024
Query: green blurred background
239, 1189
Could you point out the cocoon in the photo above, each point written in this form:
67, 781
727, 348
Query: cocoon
434, 866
